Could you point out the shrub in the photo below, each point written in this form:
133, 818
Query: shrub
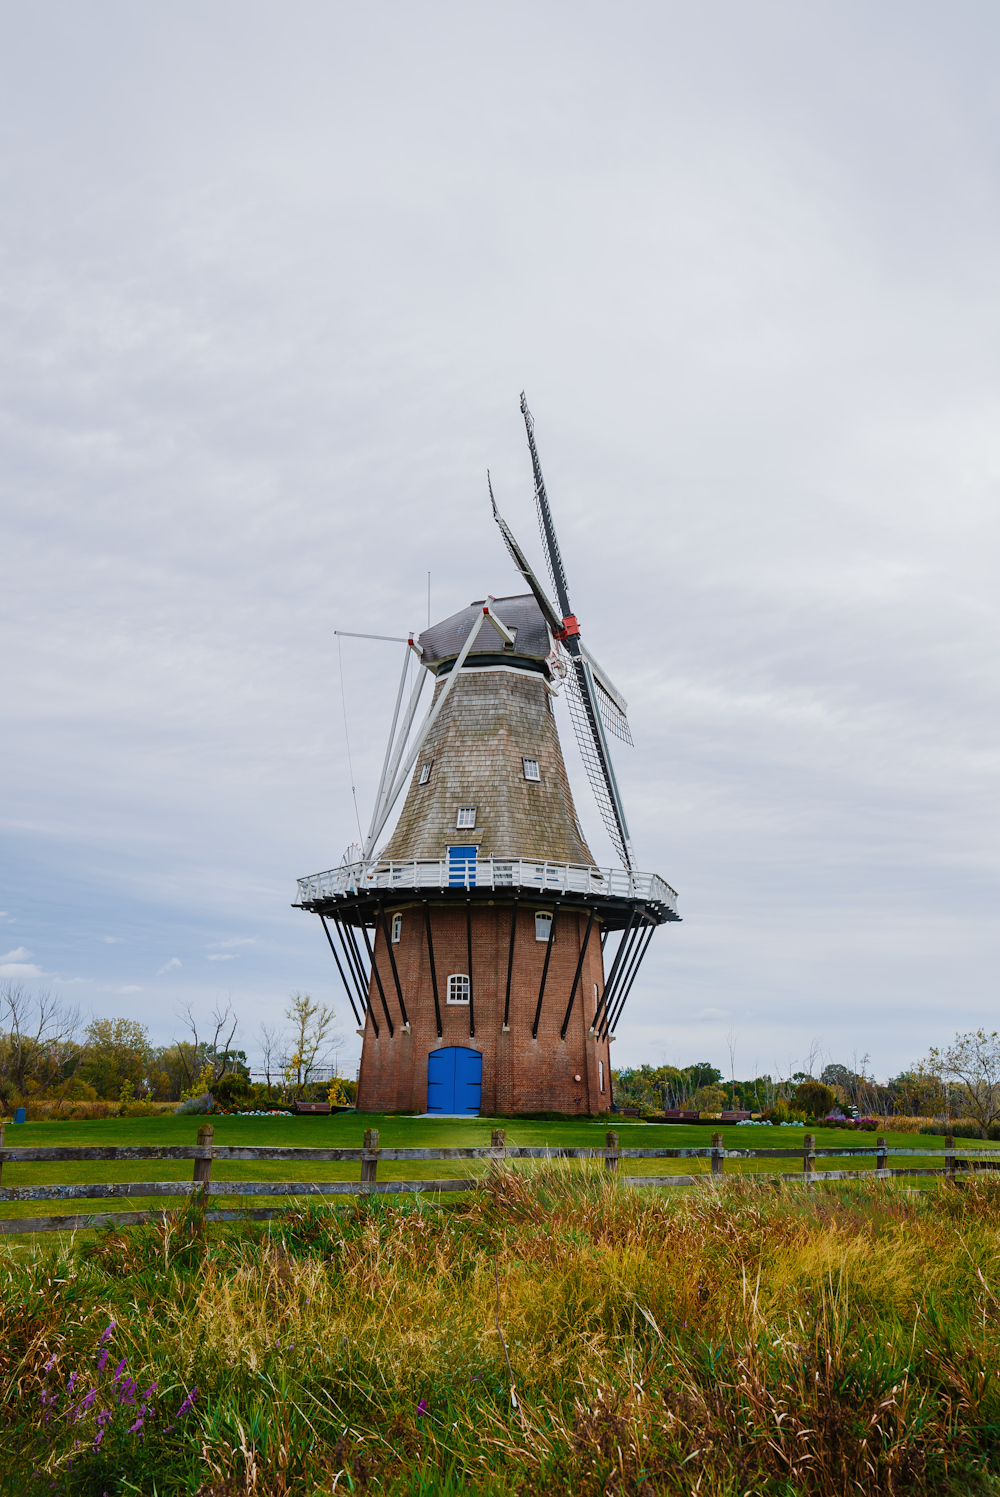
780, 1113
814, 1099
962, 1128
232, 1089
195, 1104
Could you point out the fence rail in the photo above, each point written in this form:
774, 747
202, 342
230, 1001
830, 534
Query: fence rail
206, 1152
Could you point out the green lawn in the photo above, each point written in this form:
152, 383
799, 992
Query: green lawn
346, 1130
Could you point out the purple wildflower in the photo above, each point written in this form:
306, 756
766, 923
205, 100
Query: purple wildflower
107, 1334
102, 1360
188, 1404
136, 1426
120, 1369
72, 1379
421, 1407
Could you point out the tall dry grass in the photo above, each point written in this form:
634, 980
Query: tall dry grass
840, 1339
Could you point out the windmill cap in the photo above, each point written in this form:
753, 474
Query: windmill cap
520, 613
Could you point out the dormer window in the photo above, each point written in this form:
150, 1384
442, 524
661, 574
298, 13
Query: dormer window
425, 772
397, 929
466, 817
543, 925
531, 769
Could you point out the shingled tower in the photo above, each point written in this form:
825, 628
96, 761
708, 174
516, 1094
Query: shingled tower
475, 940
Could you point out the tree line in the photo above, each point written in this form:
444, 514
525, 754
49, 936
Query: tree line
48, 1051
959, 1080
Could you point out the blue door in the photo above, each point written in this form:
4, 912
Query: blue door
454, 1080
462, 866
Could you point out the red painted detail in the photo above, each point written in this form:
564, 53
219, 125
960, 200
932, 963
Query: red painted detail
570, 627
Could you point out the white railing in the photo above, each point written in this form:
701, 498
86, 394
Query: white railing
485, 873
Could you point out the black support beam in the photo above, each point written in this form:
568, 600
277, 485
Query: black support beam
343, 977
576, 979
434, 980
545, 972
392, 961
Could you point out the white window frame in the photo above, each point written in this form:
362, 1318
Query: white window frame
425, 771
462, 821
458, 989
397, 929
600, 1074
536, 778
545, 917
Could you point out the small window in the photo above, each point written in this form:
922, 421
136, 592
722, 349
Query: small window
595, 997
425, 771
466, 816
458, 988
397, 929
543, 925
531, 770
600, 1074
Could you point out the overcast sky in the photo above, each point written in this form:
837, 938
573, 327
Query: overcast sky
271, 280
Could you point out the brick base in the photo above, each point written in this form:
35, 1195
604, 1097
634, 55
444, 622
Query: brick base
520, 1074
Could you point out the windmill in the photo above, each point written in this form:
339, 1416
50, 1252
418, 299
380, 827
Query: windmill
472, 945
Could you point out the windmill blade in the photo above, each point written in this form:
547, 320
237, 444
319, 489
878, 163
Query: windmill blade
594, 702
519, 559
611, 704
584, 709
553, 555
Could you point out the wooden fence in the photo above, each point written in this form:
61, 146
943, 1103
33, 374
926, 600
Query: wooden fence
206, 1152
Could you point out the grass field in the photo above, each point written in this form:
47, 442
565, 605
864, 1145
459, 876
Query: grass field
841, 1339
346, 1130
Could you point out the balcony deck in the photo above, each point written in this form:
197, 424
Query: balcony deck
355, 884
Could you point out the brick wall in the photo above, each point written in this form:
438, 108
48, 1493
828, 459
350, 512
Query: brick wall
520, 1074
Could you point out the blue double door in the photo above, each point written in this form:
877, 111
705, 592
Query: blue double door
454, 1080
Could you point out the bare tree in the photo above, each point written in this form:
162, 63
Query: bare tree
271, 1042
731, 1040
973, 1060
209, 1051
38, 1025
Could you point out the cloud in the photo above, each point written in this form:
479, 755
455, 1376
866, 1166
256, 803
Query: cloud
112, 940
712, 1013
130, 989
229, 956
20, 969
237, 941
21, 954
168, 966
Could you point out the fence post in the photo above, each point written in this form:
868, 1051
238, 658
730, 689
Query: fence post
949, 1158
718, 1154
809, 1156
611, 1142
881, 1157
203, 1176
499, 1139
369, 1163
203, 1167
